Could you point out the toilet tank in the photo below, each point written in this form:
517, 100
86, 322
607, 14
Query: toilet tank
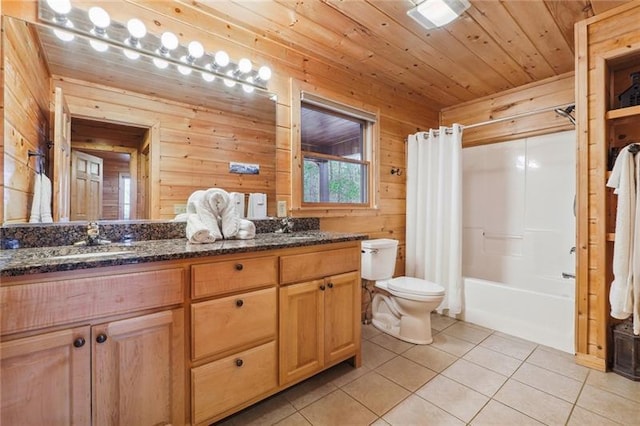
378, 259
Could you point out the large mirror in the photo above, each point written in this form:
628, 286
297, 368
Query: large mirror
119, 137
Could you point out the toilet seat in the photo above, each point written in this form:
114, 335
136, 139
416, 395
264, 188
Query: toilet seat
412, 288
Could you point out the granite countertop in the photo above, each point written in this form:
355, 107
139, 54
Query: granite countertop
67, 258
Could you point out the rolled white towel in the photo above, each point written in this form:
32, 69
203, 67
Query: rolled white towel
182, 217
197, 232
224, 210
247, 230
207, 214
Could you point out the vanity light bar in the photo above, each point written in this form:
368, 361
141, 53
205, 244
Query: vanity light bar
134, 40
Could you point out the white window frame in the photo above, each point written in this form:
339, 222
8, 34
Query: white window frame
343, 105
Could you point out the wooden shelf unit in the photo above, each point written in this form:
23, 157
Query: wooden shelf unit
607, 51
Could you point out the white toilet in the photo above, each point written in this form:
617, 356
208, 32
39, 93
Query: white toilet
403, 309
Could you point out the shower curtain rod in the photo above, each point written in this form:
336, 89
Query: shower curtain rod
511, 117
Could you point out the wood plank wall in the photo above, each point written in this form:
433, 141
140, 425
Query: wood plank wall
551, 92
26, 118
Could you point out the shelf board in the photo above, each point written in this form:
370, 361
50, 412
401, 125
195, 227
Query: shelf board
622, 112
611, 236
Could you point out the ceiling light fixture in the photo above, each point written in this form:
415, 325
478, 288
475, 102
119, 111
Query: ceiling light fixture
436, 13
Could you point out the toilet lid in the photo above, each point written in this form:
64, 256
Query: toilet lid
415, 286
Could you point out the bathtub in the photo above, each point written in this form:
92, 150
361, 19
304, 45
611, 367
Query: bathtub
542, 313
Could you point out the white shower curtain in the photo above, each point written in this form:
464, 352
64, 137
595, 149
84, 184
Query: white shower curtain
434, 211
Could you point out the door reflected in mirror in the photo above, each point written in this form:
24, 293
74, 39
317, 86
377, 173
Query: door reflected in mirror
159, 134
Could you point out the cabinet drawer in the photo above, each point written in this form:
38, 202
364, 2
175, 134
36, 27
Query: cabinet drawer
226, 383
224, 277
302, 267
231, 322
50, 303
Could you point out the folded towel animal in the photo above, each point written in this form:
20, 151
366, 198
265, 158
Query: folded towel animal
246, 230
199, 204
181, 217
197, 232
224, 210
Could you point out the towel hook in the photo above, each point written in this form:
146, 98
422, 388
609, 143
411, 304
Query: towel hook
396, 171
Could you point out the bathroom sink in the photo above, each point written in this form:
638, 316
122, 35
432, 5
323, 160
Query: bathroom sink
90, 254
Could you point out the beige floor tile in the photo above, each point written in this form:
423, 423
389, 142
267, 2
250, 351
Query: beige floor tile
430, 357
376, 392
534, 403
478, 378
374, 355
312, 389
559, 362
454, 398
440, 322
416, 411
344, 373
497, 414
615, 383
380, 422
338, 408
515, 348
548, 381
469, 332
609, 405
295, 419
406, 373
494, 361
266, 412
582, 417
451, 344
391, 343
369, 331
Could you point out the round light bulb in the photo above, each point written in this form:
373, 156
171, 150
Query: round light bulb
229, 82
99, 46
160, 63
244, 66
264, 73
99, 17
247, 88
65, 35
136, 28
169, 40
61, 7
182, 69
221, 58
195, 49
131, 54
208, 77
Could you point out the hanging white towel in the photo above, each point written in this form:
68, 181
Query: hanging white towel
624, 295
257, 206
45, 199
197, 232
37, 196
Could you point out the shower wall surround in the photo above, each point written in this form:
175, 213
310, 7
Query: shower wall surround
518, 219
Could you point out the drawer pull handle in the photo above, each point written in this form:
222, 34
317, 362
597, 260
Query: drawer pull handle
239, 267
79, 342
101, 338
239, 303
322, 287
239, 362
330, 285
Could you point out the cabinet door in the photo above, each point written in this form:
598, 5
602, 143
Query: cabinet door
138, 370
301, 330
46, 379
342, 316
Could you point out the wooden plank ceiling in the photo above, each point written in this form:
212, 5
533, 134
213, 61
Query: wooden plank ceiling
494, 46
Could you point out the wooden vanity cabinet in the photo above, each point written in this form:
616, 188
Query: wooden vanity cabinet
319, 318
129, 370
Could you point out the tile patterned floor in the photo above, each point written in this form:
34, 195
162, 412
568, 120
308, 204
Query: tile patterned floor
469, 375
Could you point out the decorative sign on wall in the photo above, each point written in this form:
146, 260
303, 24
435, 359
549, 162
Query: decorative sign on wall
244, 168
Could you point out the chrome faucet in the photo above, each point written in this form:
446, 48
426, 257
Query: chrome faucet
93, 236
286, 225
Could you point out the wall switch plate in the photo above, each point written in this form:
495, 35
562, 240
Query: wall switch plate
179, 208
282, 208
